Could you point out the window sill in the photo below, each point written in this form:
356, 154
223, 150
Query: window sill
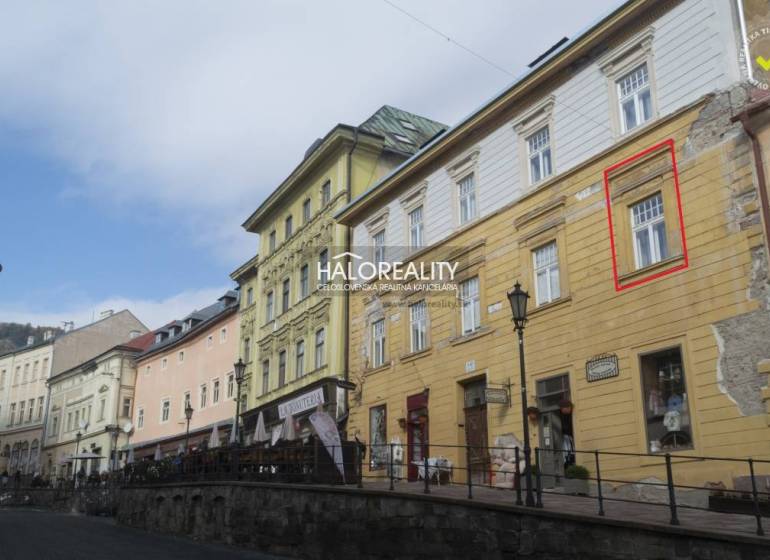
651, 269
411, 356
378, 369
478, 333
550, 305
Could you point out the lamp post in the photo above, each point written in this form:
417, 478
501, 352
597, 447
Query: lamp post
74, 458
188, 412
113, 430
518, 300
239, 368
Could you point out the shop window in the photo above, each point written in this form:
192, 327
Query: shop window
378, 437
665, 401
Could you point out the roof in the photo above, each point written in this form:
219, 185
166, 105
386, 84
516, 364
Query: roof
225, 305
553, 61
246, 269
385, 125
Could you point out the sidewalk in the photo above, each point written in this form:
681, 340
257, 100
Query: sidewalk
728, 524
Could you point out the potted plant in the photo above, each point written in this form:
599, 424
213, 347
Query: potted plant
576, 480
533, 412
565, 406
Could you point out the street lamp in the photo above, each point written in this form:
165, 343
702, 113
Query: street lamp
240, 369
188, 412
114, 430
74, 458
518, 300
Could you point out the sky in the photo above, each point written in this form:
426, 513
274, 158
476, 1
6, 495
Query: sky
136, 137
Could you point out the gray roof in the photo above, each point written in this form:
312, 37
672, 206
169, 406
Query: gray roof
404, 132
205, 316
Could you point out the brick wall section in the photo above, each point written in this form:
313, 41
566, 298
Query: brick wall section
311, 522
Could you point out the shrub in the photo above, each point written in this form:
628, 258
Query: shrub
576, 471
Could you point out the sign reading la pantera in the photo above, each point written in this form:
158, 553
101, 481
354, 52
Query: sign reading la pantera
601, 367
304, 402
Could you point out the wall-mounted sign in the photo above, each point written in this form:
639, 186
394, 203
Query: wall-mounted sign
601, 367
302, 403
496, 395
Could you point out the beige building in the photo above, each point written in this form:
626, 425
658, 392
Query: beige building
91, 405
294, 335
24, 373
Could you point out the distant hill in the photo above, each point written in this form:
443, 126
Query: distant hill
14, 335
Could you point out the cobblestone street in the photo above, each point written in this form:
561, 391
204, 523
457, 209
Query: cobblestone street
27, 533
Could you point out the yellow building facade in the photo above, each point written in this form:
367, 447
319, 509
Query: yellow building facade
294, 335
645, 260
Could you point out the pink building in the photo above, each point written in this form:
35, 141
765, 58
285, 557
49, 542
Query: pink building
191, 361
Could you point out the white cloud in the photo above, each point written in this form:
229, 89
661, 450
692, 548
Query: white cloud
153, 313
197, 110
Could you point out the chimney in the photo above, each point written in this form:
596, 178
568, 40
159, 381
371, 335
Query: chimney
30, 340
106, 313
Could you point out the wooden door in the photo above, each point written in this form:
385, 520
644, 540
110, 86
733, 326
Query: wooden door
476, 440
416, 432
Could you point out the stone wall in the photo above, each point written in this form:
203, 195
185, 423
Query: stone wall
323, 522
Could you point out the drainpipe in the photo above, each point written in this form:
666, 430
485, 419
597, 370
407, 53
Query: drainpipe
348, 235
743, 117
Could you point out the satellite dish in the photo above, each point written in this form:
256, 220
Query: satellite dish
127, 427
83, 424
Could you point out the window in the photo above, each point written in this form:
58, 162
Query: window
269, 313
539, 154
17, 376
378, 437
147, 370
204, 393
35, 367
2, 379
418, 321
649, 231
415, 228
326, 193
288, 228
44, 371
210, 341
300, 369
665, 401
271, 242
102, 409
323, 263
26, 373
378, 245
285, 293
215, 392
140, 418
127, 407
250, 296
304, 282
320, 352
378, 343
69, 418
165, 408
21, 412
471, 305
186, 401
546, 265
265, 377
281, 368
230, 386
223, 335
635, 98
54, 427
31, 410
247, 350
467, 194
12, 414
164, 363
181, 356
306, 211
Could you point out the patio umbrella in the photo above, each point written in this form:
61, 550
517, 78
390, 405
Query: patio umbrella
214, 439
260, 434
130, 458
158, 455
289, 434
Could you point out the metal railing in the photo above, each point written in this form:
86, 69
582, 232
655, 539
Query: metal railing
297, 463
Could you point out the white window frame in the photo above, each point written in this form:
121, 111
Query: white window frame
307, 211
165, 410
418, 326
180, 357
417, 227
164, 363
326, 193
223, 335
467, 203
538, 145
216, 388
203, 396
304, 281
470, 297
285, 295
319, 354
549, 269
634, 96
299, 359
657, 252
140, 418
378, 343
269, 306
378, 246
